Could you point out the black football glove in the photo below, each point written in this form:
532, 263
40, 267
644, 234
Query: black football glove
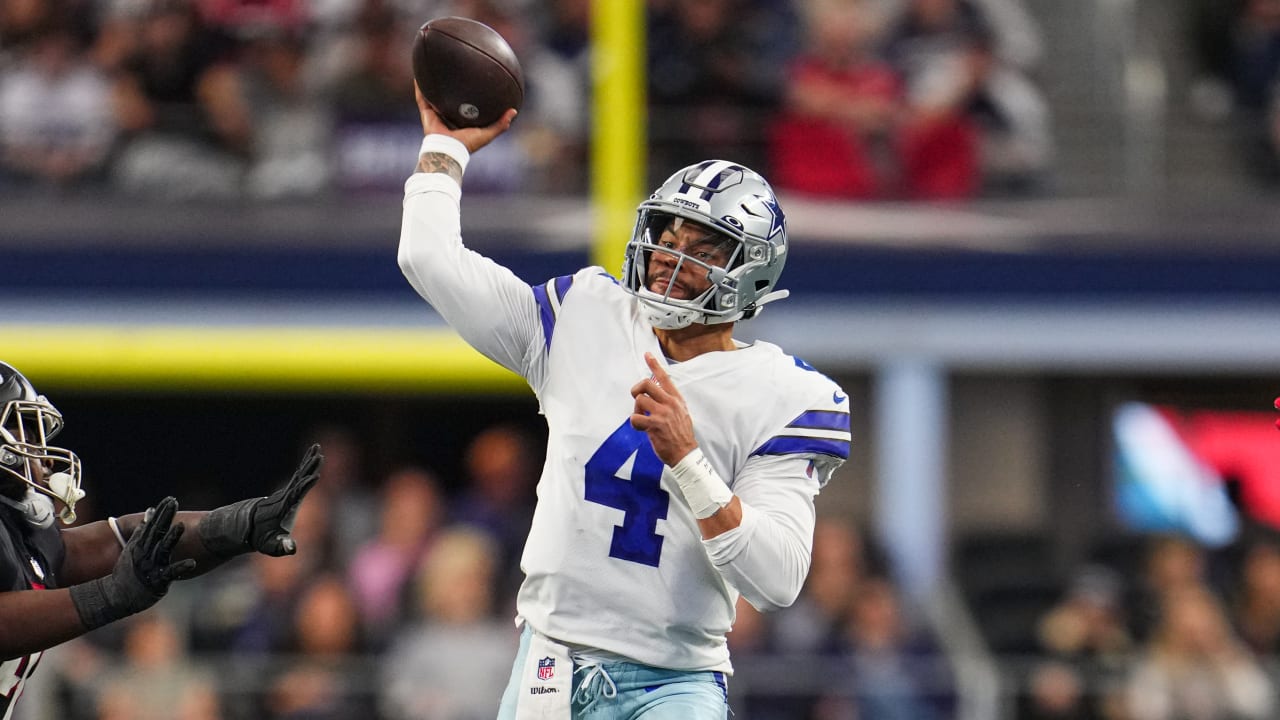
142, 573
261, 524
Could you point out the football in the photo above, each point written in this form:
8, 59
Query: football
467, 71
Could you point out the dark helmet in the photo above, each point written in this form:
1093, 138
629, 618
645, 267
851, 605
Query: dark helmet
28, 421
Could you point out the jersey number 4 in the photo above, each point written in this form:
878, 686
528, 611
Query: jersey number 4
625, 474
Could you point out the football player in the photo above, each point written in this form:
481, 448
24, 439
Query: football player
57, 583
682, 465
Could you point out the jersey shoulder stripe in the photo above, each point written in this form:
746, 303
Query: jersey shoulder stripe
549, 296
822, 425
796, 445
813, 432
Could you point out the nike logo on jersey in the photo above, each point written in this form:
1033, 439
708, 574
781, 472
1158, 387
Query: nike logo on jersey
837, 398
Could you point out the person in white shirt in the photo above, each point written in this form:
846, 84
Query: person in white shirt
682, 465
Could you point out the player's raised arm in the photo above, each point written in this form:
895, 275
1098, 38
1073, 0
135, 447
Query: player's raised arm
491, 308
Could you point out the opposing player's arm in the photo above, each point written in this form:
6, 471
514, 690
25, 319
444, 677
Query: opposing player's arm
261, 524
35, 620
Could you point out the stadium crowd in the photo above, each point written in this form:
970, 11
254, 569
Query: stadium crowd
266, 99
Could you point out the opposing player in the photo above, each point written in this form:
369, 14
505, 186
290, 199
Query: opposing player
58, 583
682, 465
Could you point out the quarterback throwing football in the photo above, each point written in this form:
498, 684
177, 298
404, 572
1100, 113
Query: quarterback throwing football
682, 465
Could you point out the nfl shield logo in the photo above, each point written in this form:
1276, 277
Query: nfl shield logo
546, 668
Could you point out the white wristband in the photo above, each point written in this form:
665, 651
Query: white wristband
703, 489
115, 528
436, 143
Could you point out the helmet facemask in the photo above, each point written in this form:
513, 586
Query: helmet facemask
26, 427
710, 259
737, 208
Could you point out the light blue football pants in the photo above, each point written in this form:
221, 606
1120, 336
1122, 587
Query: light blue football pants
630, 691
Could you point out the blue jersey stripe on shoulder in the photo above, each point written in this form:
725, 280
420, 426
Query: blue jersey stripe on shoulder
790, 445
822, 420
545, 312
804, 365
562, 284
549, 305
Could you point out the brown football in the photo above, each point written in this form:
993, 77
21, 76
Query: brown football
467, 71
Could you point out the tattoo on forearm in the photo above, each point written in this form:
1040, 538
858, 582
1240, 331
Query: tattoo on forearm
433, 162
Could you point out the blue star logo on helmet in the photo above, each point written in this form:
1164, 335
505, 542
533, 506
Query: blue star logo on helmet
779, 220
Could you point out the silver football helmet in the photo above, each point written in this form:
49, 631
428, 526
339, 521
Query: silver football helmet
736, 203
28, 421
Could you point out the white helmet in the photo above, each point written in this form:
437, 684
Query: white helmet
28, 421
732, 201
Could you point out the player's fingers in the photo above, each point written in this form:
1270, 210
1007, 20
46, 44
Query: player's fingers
180, 570
641, 422
164, 548
645, 405
660, 374
650, 387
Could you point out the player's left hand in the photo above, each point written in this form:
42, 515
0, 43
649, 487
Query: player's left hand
661, 412
262, 524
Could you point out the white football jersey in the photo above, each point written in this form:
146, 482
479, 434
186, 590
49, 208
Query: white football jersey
615, 564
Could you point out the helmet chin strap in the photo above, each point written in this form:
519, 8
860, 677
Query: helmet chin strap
754, 309
36, 506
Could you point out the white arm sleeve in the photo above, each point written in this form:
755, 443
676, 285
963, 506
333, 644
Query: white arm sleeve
488, 306
767, 557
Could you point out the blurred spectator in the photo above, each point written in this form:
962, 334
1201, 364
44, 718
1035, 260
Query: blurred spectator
712, 82
453, 661
554, 124
1195, 667
976, 121
835, 575
292, 126
377, 74
179, 99
412, 508
499, 495
56, 127
755, 690
352, 505
1255, 63
836, 136
157, 681
897, 670
371, 89
1171, 563
1256, 601
320, 680
1087, 648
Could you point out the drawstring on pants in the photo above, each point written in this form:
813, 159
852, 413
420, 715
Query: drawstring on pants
590, 690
